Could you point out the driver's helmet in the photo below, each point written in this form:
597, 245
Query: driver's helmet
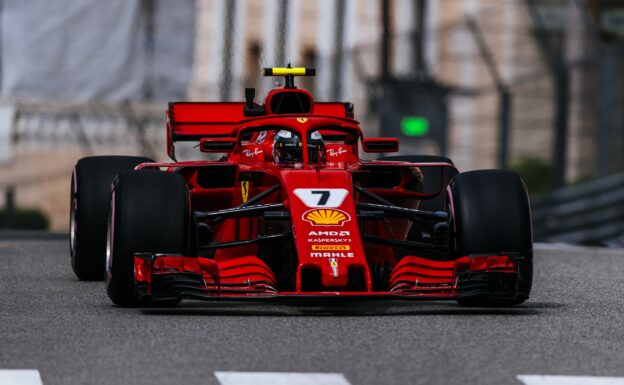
316, 147
288, 147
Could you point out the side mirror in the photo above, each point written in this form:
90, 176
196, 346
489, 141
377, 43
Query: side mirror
380, 145
217, 144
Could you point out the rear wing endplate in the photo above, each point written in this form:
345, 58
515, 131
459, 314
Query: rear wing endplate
192, 121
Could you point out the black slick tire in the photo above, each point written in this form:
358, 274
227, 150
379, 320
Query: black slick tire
149, 213
491, 215
89, 197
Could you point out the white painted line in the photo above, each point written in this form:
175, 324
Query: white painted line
569, 380
280, 378
20, 377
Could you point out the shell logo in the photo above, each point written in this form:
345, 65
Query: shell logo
326, 217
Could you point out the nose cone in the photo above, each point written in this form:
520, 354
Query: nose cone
329, 248
335, 268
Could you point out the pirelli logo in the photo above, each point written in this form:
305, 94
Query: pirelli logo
331, 247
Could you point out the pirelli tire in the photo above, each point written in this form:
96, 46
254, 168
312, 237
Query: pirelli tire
89, 196
149, 212
491, 215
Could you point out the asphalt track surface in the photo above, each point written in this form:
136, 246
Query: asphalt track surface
70, 332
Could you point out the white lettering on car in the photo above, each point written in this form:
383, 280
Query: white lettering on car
332, 255
249, 153
329, 240
341, 233
333, 152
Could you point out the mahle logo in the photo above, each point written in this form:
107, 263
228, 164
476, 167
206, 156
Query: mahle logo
339, 254
326, 217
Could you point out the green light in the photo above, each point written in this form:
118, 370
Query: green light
414, 126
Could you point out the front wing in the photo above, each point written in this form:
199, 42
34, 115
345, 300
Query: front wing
167, 276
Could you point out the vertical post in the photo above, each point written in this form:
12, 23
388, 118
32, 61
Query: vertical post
504, 125
81, 135
504, 112
560, 150
132, 120
282, 33
228, 38
9, 208
338, 55
385, 39
608, 158
8, 131
418, 38
149, 14
606, 100
561, 79
1, 38
310, 59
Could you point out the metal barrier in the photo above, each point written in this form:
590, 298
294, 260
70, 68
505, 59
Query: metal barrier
88, 125
591, 213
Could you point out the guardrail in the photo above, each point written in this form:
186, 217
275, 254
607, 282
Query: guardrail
87, 125
591, 213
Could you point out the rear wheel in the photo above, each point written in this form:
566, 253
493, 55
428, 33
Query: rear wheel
90, 194
149, 213
491, 215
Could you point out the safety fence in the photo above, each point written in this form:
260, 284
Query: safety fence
590, 213
48, 125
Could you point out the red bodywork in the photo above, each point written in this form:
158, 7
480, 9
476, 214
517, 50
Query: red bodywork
317, 250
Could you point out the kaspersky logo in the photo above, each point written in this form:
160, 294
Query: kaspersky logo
326, 217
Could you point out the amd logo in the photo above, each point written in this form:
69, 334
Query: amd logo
330, 233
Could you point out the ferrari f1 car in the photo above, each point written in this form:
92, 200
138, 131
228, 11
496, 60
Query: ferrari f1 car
290, 211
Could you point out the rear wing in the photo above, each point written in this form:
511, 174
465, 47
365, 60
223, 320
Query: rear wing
192, 121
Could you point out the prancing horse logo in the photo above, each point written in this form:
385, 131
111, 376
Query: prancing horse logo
245, 190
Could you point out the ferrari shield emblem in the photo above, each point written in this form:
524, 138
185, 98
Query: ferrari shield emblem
245, 190
302, 120
334, 266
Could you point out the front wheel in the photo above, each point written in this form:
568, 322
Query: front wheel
491, 215
149, 212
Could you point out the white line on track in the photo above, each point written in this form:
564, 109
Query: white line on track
20, 377
280, 378
569, 380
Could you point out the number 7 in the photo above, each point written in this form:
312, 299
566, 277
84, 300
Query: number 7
324, 196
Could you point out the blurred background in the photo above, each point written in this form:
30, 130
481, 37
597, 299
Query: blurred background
531, 85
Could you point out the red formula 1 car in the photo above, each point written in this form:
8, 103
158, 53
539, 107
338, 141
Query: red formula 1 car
291, 211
